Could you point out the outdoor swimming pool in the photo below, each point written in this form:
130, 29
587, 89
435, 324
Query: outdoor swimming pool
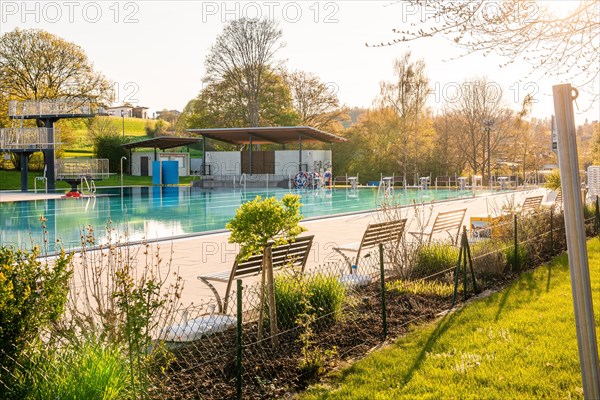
166, 212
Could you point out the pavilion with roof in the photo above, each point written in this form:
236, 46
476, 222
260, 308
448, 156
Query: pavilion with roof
220, 168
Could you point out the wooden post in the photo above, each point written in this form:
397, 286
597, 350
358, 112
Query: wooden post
268, 266
261, 304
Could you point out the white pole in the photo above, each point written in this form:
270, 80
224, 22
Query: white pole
575, 232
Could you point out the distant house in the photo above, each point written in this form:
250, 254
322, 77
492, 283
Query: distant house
140, 112
120, 111
128, 111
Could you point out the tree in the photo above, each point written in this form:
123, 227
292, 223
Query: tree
374, 144
448, 152
476, 102
101, 126
406, 97
219, 105
156, 128
35, 64
561, 42
110, 147
170, 116
243, 55
255, 224
596, 144
315, 102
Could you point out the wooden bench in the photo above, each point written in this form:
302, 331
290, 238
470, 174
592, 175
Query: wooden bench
291, 254
382, 232
444, 222
531, 204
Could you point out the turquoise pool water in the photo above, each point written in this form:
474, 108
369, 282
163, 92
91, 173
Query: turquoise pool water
166, 212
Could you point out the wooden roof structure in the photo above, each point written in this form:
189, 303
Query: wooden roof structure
269, 135
162, 142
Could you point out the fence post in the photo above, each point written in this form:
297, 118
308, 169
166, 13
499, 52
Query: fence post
238, 381
382, 279
456, 273
516, 260
469, 258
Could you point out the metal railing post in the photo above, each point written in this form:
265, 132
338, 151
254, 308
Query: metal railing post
568, 161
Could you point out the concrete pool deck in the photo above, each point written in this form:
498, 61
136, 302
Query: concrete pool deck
207, 253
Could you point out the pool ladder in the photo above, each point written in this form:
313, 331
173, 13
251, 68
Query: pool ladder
91, 185
242, 181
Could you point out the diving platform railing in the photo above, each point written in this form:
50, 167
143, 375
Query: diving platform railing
45, 108
24, 139
78, 168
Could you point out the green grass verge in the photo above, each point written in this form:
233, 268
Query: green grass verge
519, 343
11, 180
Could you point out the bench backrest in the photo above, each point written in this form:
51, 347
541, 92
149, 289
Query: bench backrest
294, 253
382, 232
558, 199
531, 203
448, 221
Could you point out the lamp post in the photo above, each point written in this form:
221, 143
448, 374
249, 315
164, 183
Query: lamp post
122, 158
488, 124
123, 117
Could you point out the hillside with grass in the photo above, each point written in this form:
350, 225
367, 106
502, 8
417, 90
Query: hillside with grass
80, 143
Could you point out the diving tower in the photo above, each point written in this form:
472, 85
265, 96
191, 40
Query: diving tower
46, 112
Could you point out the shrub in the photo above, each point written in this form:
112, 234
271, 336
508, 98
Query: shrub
326, 295
489, 261
32, 297
289, 294
522, 255
101, 372
433, 258
123, 303
553, 180
320, 295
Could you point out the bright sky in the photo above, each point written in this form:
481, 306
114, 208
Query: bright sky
154, 51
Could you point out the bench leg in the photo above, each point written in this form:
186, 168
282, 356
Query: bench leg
214, 290
346, 258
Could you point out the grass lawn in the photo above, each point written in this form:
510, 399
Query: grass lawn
519, 343
11, 180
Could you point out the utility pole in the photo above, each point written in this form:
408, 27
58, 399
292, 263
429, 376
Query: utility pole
564, 95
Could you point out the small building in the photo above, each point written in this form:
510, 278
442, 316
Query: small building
141, 161
139, 112
120, 111
128, 111
264, 167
